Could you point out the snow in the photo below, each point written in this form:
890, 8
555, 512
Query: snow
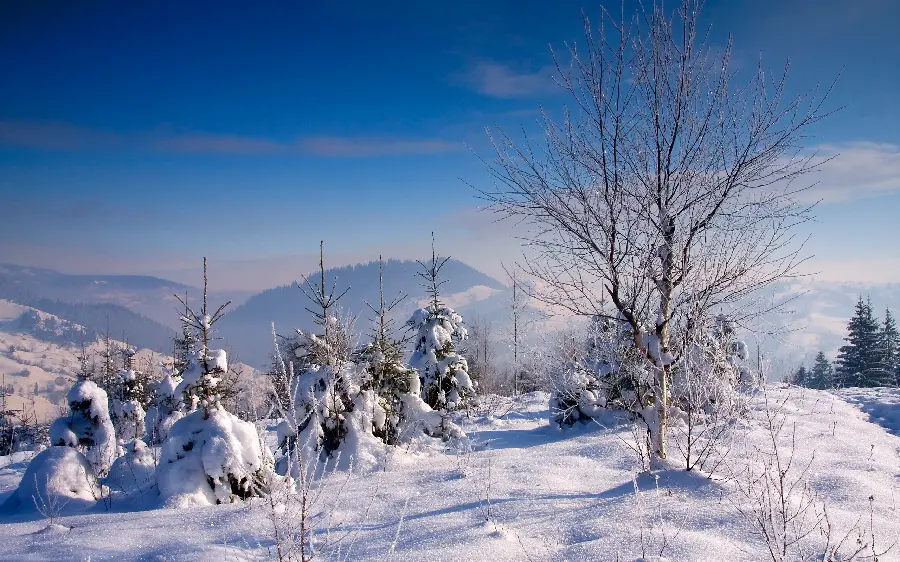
206, 459
881, 404
58, 476
524, 490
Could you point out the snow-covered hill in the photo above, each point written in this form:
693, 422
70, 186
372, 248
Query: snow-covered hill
248, 328
39, 357
527, 492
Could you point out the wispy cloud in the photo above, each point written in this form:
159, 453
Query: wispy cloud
342, 146
494, 79
856, 170
42, 135
206, 143
51, 135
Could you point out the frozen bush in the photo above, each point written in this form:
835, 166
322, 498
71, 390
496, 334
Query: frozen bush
88, 426
133, 471
165, 411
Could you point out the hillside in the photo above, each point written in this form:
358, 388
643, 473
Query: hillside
526, 492
39, 357
248, 327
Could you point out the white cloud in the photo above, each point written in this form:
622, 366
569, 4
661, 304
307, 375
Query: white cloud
502, 81
856, 170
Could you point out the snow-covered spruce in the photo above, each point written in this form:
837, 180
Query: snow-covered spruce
58, 477
127, 409
392, 392
446, 384
322, 396
199, 386
88, 426
165, 410
210, 456
595, 372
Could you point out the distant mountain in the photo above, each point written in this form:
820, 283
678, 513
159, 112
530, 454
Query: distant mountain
149, 296
43, 290
121, 323
38, 356
248, 327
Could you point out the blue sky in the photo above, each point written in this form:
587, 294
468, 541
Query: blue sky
138, 137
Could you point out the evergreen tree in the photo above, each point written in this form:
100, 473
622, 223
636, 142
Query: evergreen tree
206, 367
800, 377
857, 360
444, 372
888, 351
384, 373
86, 367
186, 345
108, 369
321, 396
822, 374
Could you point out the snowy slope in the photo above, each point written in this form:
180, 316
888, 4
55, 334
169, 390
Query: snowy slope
528, 492
40, 351
881, 404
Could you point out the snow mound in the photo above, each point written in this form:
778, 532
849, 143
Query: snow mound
58, 476
133, 471
213, 460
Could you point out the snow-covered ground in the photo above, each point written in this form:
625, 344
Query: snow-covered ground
881, 404
527, 492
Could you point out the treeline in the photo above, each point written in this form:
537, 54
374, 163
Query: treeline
871, 356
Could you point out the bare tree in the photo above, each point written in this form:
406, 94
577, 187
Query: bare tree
520, 323
665, 191
478, 349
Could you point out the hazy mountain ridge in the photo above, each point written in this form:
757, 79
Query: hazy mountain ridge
814, 318
25, 286
248, 327
149, 296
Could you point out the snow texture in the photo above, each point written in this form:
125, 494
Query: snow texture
526, 490
882, 404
